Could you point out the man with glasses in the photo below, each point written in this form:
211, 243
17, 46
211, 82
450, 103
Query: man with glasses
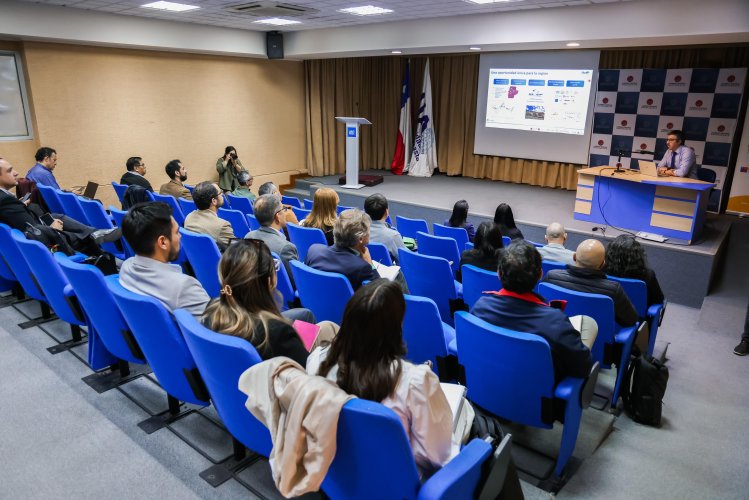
136, 170
208, 199
270, 214
679, 159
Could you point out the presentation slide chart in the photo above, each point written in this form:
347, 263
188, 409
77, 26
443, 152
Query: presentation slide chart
540, 100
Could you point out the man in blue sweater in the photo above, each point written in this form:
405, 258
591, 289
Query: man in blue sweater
517, 308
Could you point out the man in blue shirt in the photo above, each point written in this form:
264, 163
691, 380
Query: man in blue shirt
679, 159
41, 173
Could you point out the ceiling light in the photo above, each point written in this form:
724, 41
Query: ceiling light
484, 2
396, 52
366, 10
573, 44
170, 6
277, 21
474, 48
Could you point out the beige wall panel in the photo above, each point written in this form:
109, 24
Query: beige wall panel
584, 192
672, 192
582, 207
671, 222
673, 206
99, 106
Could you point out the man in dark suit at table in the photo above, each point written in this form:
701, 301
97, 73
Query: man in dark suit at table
136, 170
270, 214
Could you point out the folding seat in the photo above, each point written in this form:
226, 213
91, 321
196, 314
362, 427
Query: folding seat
304, 237
432, 277
237, 219
637, 291
240, 203
409, 227
459, 234
71, 207
300, 213
203, 254
187, 206
307, 204
51, 197
437, 246
379, 253
341, 208
119, 189
427, 337
325, 294
252, 222
172, 202
476, 281
97, 217
292, 201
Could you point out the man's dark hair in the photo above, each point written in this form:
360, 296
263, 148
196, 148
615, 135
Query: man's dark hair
679, 135
132, 162
519, 267
266, 207
203, 193
376, 205
43, 153
144, 223
172, 168
266, 188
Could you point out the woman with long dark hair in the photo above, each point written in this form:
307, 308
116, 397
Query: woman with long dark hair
504, 219
625, 258
485, 251
459, 218
366, 359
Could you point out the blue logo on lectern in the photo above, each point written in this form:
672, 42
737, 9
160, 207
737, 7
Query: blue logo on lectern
350, 131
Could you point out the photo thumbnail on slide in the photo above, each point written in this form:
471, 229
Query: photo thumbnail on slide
541, 100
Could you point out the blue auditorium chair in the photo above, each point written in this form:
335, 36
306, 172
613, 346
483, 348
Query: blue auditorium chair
172, 202
324, 293
549, 265
476, 281
241, 203
51, 198
203, 254
374, 460
613, 344
300, 213
307, 204
283, 285
164, 348
459, 234
71, 206
97, 217
437, 246
237, 219
304, 237
252, 222
117, 217
119, 189
432, 277
511, 375
189, 188
341, 208
380, 253
187, 206
637, 291
292, 201
427, 337
409, 227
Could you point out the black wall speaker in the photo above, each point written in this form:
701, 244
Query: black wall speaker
274, 44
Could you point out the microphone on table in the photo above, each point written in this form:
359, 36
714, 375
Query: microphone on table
645, 152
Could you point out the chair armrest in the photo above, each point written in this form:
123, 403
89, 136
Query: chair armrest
464, 468
626, 334
569, 389
656, 311
78, 257
68, 291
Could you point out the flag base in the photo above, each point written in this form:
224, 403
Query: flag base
364, 180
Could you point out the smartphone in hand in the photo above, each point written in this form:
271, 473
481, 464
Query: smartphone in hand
47, 219
25, 197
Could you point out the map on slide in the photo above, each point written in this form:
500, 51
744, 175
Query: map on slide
552, 100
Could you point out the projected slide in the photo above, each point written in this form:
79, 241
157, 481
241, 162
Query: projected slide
541, 100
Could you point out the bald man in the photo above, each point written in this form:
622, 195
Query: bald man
554, 249
587, 276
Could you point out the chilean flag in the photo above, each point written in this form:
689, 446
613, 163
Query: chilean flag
403, 144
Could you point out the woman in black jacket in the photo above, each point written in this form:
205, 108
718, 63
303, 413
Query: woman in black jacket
485, 252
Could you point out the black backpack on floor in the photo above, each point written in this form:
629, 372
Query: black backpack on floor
644, 387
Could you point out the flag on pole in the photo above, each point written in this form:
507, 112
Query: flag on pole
424, 156
403, 143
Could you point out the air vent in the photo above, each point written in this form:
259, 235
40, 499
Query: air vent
271, 9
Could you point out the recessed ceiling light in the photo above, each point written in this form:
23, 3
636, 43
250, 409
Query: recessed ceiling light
396, 52
366, 10
573, 44
474, 48
483, 2
277, 21
170, 6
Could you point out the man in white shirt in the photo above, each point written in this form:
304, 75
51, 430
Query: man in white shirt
554, 249
679, 159
376, 206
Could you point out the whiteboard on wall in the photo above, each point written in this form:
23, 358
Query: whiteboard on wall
15, 121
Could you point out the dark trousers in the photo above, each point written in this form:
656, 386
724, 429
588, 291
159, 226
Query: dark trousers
78, 235
745, 335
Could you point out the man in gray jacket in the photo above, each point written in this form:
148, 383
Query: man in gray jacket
554, 249
270, 214
154, 235
376, 206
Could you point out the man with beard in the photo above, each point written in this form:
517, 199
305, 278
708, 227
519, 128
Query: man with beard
177, 175
154, 235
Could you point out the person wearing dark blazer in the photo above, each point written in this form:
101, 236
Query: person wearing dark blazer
136, 170
349, 255
270, 214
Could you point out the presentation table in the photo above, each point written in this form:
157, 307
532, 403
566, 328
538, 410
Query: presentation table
672, 207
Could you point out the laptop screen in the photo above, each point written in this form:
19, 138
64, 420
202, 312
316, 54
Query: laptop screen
90, 190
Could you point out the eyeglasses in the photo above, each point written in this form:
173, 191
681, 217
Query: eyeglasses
283, 209
260, 245
672, 140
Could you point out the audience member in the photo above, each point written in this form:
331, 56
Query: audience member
366, 360
324, 213
679, 160
554, 249
349, 255
270, 188
506, 221
269, 213
248, 308
154, 236
517, 308
625, 258
485, 251
136, 170
24, 216
177, 175
588, 276
376, 206
743, 348
229, 167
244, 180
208, 199
42, 172
459, 218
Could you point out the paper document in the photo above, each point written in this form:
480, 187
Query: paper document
388, 272
455, 395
